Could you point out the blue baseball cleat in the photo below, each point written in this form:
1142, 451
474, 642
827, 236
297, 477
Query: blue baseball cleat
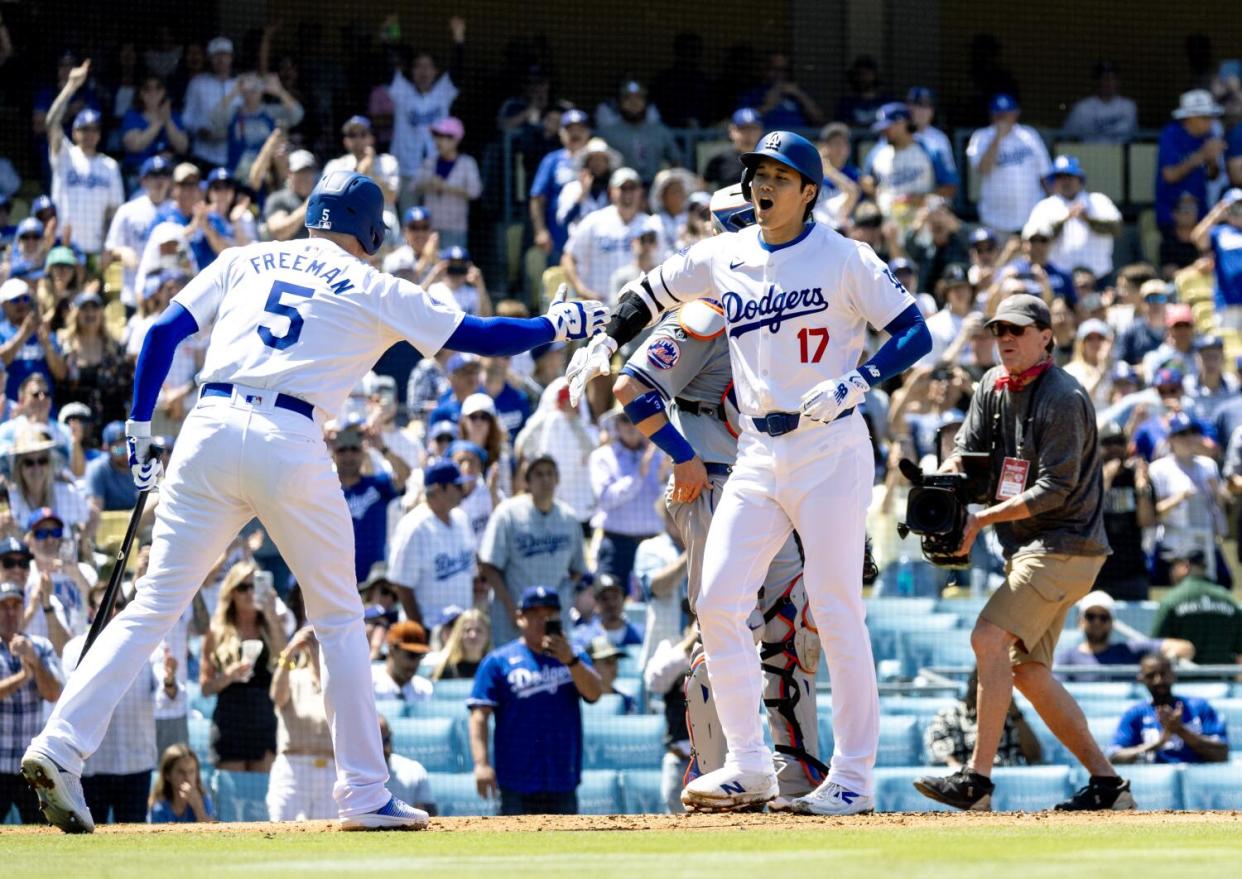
396, 815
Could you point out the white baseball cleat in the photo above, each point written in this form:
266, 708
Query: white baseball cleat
396, 815
730, 789
832, 799
60, 794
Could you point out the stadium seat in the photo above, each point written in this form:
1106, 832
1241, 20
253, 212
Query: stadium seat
1231, 711
1139, 615
600, 793
390, 708
1103, 164
967, 609
880, 610
200, 739
607, 705
552, 278
431, 708
886, 632
925, 649
455, 793
458, 689
1095, 691
1156, 788
894, 789
627, 666
640, 791
1029, 788
900, 741
624, 742
1103, 728
1213, 691
1053, 751
1217, 786
204, 705
240, 796
432, 741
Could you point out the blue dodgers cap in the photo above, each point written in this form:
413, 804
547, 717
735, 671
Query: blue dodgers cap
746, 116
1123, 371
890, 114
113, 432
1003, 103
1182, 423
901, 264
574, 117
417, 214
456, 253
539, 596
441, 471
356, 121
981, 234
460, 360
219, 175
41, 204
442, 428
39, 515
87, 118
1167, 377
28, 226
466, 446
921, 94
1065, 166
156, 166
632, 87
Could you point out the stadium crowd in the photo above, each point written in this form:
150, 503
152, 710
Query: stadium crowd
485, 506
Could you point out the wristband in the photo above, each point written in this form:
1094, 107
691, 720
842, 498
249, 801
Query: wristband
673, 444
577, 659
644, 406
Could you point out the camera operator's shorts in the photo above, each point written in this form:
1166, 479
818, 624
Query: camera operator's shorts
1033, 602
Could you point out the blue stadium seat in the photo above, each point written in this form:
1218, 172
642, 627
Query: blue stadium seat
600, 793
924, 709
1097, 690
1103, 727
624, 742
454, 688
640, 791
1029, 788
200, 739
887, 633
434, 708
390, 708
1231, 711
1138, 615
825, 735
880, 610
1213, 691
432, 741
900, 741
1216, 786
967, 609
894, 789
922, 649
240, 796
455, 793
627, 666
1156, 788
607, 705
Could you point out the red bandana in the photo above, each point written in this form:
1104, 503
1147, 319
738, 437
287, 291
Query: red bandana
1020, 381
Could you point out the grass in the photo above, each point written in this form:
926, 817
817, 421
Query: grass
1028, 847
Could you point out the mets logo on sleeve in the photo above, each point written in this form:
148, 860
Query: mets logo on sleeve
663, 353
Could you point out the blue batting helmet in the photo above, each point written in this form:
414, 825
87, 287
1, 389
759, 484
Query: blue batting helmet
789, 149
348, 202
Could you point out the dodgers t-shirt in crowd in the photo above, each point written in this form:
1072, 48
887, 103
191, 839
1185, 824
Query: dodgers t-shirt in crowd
1140, 725
29, 359
368, 505
512, 408
555, 170
1227, 254
538, 740
1176, 143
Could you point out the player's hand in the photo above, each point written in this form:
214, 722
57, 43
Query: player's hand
485, 781
689, 480
589, 362
146, 467
829, 399
576, 319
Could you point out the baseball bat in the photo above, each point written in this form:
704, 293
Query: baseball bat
118, 573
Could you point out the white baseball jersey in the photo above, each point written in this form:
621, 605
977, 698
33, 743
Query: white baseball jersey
307, 319
1012, 188
85, 189
901, 174
601, 244
1078, 244
129, 228
413, 113
434, 559
796, 313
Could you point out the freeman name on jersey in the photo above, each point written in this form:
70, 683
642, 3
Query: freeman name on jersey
267, 262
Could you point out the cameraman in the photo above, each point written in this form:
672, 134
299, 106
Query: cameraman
1038, 426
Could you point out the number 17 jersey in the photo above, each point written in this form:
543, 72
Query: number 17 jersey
307, 319
796, 314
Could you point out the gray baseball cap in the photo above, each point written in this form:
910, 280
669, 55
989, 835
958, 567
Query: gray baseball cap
1022, 310
9, 589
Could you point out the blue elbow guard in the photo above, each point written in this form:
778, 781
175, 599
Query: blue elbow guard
673, 444
644, 406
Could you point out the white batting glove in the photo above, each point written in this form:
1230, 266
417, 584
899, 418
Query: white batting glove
827, 400
576, 319
590, 362
145, 467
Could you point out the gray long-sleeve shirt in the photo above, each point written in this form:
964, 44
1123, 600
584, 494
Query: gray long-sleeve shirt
1052, 425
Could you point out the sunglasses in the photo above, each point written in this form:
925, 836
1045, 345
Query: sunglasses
244, 586
10, 562
349, 448
418, 227
36, 462
1000, 331
46, 533
479, 416
29, 236
985, 247
19, 300
1039, 239
40, 395
1097, 617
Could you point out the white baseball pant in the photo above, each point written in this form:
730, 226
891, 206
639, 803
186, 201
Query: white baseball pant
817, 480
300, 788
235, 460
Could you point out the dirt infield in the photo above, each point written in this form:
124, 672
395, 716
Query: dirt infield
696, 822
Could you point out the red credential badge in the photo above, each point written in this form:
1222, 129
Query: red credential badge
1013, 478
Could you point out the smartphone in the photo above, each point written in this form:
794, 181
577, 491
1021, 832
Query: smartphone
263, 586
553, 627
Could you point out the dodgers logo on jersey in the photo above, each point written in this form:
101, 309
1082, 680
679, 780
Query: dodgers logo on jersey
772, 309
663, 353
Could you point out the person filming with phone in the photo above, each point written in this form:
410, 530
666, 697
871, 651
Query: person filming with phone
534, 686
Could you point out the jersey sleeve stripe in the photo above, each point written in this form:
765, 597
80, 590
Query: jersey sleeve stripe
643, 376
